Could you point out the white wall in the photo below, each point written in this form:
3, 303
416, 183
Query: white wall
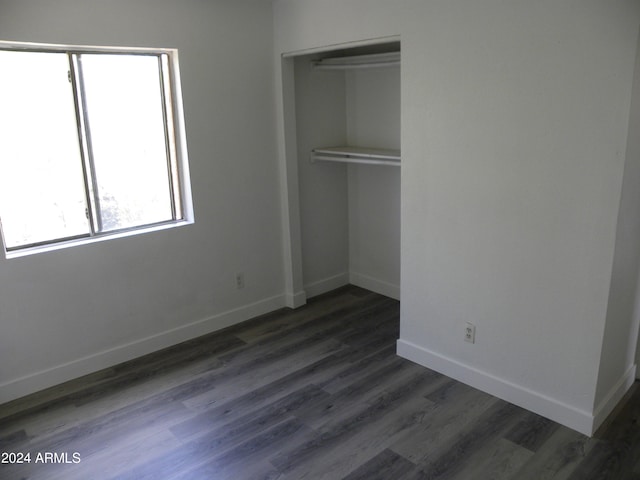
373, 120
68, 312
514, 127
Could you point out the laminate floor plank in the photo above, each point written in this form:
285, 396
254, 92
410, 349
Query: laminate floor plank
360, 394
96, 431
313, 393
262, 396
458, 406
497, 460
229, 435
270, 324
253, 421
458, 459
609, 460
532, 432
602, 463
332, 435
361, 367
327, 324
56, 396
152, 366
282, 343
210, 453
248, 460
274, 360
97, 386
12, 439
558, 457
102, 439
384, 466
617, 450
40, 422
336, 453
129, 452
235, 381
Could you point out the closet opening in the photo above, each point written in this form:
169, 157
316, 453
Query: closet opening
343, 159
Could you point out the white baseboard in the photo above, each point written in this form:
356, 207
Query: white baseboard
61, 373
572, 417
607, 405
326, 285
364, 281
375, 285
295, 300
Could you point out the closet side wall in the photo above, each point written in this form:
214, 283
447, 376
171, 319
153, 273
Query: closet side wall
373, 119
617, 370
320, 118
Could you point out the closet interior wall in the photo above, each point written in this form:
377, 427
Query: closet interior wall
349, 213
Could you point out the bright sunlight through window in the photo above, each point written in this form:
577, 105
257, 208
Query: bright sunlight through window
90, 145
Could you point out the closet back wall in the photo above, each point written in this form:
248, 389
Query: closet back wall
373, 119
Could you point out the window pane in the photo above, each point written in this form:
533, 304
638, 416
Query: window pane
42, 194
125, 119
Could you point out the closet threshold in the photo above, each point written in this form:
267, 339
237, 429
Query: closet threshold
361, 155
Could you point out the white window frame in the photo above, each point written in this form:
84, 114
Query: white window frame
176, 139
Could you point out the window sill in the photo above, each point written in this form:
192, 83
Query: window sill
89, 240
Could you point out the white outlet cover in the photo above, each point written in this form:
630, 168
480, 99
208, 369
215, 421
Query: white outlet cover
470, 333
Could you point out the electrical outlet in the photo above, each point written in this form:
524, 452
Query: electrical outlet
470, 333
239, 280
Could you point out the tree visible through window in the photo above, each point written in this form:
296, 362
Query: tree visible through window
88, 144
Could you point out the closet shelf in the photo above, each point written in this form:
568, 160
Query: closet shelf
377, 60
370, 156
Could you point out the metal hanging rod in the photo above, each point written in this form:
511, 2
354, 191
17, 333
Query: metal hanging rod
370, 156
376, 60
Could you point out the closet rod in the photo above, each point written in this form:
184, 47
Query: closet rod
377, 60
371, 156
364, 161
357, 66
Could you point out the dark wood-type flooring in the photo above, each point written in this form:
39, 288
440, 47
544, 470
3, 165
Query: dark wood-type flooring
314, 393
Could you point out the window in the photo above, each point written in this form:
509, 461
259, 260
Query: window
92, 144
